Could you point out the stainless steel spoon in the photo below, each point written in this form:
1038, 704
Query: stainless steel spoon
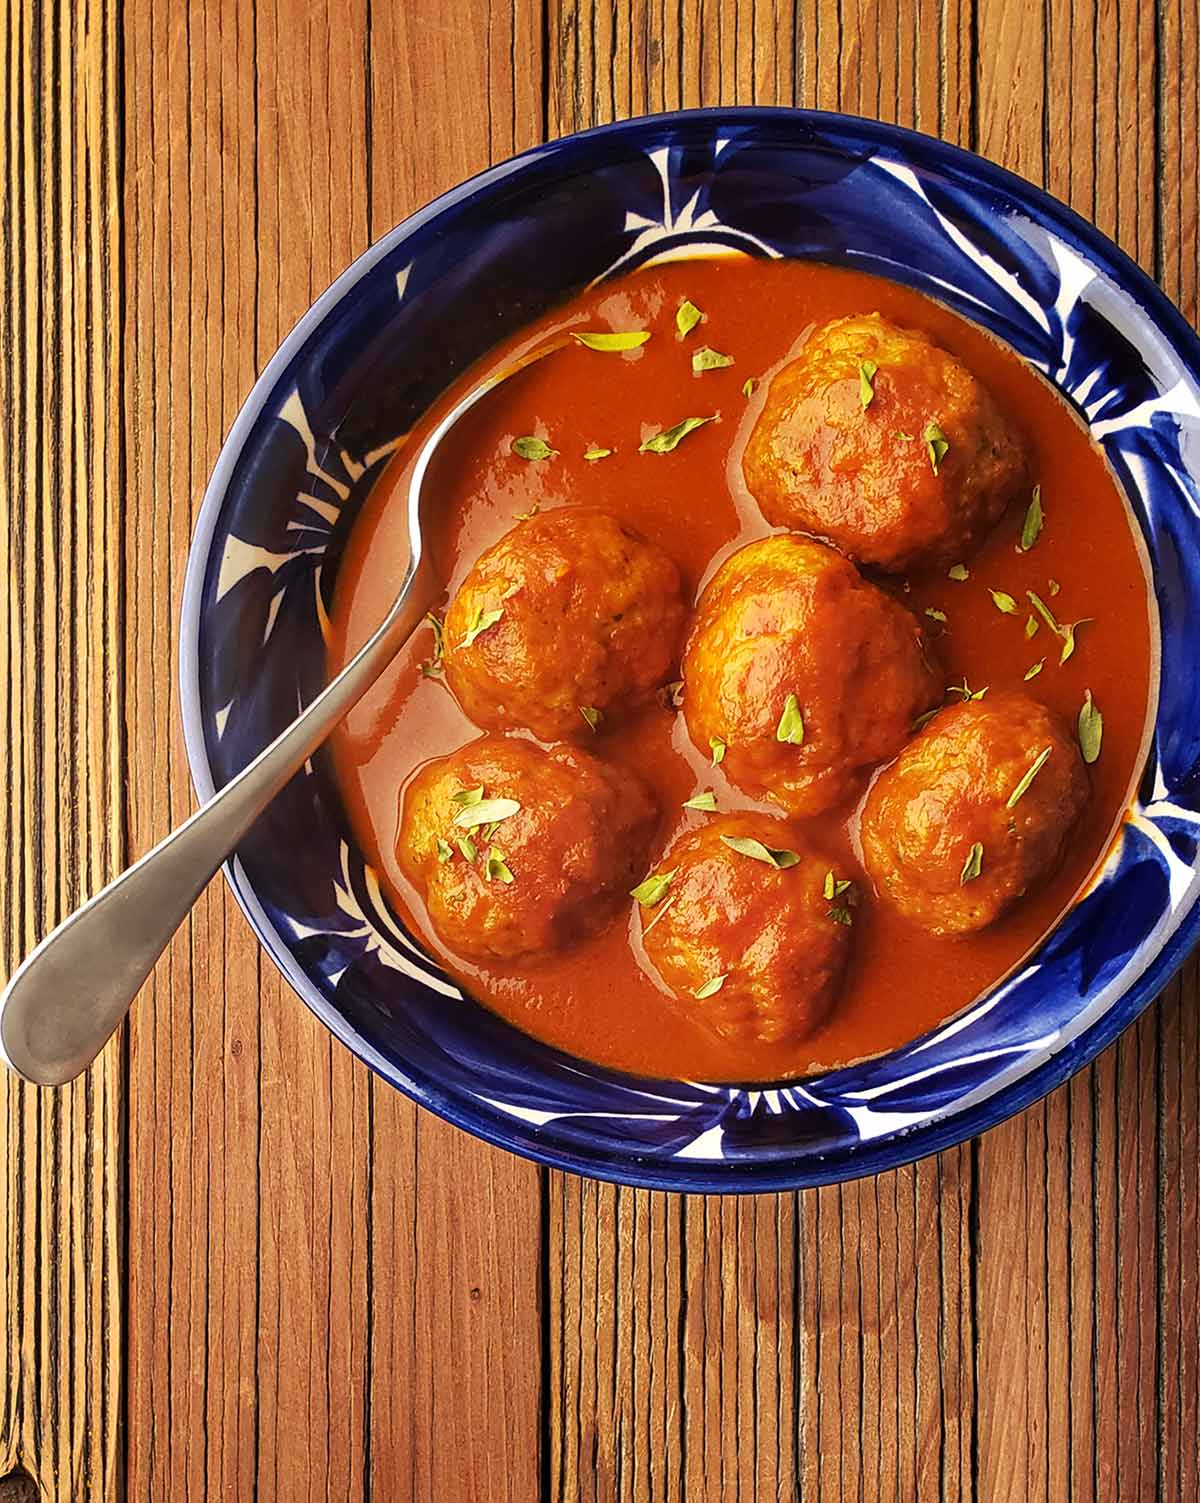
66, 999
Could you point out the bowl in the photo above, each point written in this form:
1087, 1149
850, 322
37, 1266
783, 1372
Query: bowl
436, 293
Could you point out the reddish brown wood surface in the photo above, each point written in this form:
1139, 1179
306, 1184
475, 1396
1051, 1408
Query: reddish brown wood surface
234, 1265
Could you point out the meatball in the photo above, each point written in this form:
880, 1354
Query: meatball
569, 619
905, 467
754, 951
519, 851
799, 675
974, 812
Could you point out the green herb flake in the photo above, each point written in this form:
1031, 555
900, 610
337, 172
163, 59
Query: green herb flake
748, 387
592, 455
1032, 526
445, 851
706, 359
711, 988
791, 723
1054, 588
1022, 787
866, 382
465, 797
480, 622
530, 447
1043, 611
611, 343
934, 614
485, 812
1068, 636
922, 721
744, 845
959, 572
706, 802
936, 444
966, 691
687, 316
717, 747
907, 437
591, 715
840, 916
1035, 670
1091, 728
1003, 601
467, 846
654, 889
439, 639
1032, 627
973, 865
669, 438
496, 868
835, 886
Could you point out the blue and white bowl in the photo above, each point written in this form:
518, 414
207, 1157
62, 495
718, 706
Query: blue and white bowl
435, 294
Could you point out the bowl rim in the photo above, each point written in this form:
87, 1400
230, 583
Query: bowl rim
877, 1155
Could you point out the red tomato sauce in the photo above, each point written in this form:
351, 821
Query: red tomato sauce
599, 1000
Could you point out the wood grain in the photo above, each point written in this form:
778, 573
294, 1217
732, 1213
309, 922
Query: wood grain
61, 1161
236, 1266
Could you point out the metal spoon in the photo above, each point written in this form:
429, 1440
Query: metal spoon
66, 999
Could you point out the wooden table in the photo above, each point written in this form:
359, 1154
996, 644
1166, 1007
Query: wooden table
234, 1264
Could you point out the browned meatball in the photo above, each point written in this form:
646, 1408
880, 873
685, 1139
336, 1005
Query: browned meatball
752, 950
568, 620
801, 673
974, 812
563, 839
915, 476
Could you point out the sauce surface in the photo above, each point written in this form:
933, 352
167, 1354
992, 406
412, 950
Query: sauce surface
600, 1000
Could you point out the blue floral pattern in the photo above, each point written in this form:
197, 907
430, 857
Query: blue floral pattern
361, 366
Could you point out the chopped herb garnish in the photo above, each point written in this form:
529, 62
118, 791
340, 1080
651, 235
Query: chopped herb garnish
1034, 768
922, 721
485, 811
1036, 669
934, 614
592, 455
791, 723
1068, 636
1043, 611
973, 865
866, 382
530, 447
707, 801
1032, 627
497, 869
1033, 521
653, 889
439, 642
959, 572
936, 444
966, 691
835, 886
467, 846
1003, 601
465, 797
445, 851
669, 438
591, 715
1091, 728
907, 437
744, 845
710, 988
1054, 588
717, 747
840, 916
748, 387
480, 622
706, 359
687, 316
628, 340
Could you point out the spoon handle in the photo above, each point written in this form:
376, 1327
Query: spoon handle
64, 1002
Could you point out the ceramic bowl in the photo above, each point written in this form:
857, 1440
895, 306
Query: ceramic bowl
437, 292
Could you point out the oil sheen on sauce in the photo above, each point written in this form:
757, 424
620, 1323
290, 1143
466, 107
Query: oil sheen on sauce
599, 1000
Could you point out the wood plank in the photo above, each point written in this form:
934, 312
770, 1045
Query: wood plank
454, 1366
827, 1337
61, 1301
